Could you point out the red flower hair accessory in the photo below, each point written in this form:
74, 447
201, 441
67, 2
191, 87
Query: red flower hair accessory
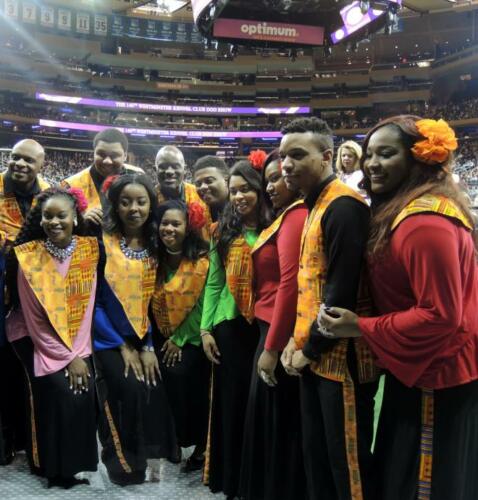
79, 195
257, 158
196, 216
107, 183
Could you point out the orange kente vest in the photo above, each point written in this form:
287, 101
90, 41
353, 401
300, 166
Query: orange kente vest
174, 300
132, 282
270, 231
64, 300
312, 279
11, 218
430, 203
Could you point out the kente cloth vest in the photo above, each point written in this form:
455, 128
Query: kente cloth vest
84, 181
174, 300
239, 273
430, 203
132, 282
190, 196
11, 218
270, 231
312, 280
64, 300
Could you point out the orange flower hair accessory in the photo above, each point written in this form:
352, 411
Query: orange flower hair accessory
196, 216
79, 195
257, 159
439, 142
107, 183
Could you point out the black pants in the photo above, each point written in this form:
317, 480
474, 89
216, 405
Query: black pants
324, 443
13, 409
236, 341
455, 442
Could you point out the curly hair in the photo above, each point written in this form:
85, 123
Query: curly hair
112, 223
31, 230
355, 149
422, 179
194, 246
230, 225
312, 124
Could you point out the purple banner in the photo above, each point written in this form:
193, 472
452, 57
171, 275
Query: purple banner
269, 31
171, 108
199, 134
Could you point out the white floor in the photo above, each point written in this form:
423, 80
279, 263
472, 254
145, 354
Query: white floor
16, 483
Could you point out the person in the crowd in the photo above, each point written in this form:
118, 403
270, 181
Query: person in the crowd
136, 426
229, 332
338, 387
272, 465
18, 186
55, 269
110, 151
424, 282
347, 164
210, 176
177, 307
170, 169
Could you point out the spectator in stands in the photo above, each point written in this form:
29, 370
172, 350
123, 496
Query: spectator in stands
347, 164
110, 150
210, 176
18, 186
170, 170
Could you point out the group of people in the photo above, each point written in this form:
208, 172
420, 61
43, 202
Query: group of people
249, 315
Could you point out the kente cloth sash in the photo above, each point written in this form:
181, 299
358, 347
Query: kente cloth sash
11, 218
84, 181
132, 282
270, 231
312, 280
64, 300
239, 274
430, 203
190, 196
174, 300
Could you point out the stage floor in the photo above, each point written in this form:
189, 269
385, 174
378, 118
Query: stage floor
16, 483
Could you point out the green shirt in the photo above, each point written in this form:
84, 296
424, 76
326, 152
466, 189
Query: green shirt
219, 304
188, 332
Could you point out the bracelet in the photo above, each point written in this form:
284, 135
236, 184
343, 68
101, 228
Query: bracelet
203, 334
147, 348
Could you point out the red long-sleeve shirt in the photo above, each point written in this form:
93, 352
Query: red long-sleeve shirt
276, 265
426, 290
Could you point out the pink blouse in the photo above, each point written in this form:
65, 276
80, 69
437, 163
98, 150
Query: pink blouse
50, 354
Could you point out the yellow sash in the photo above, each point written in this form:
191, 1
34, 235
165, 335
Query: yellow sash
174, 300
65, 300
274, 227
239, 271
132, 282
434, 204
11, 218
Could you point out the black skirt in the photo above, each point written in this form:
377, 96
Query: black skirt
454, 454
236, 340
135, 421
62, 425
187, 388
272, 465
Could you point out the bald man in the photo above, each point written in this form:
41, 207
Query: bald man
171, 168
19, 185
